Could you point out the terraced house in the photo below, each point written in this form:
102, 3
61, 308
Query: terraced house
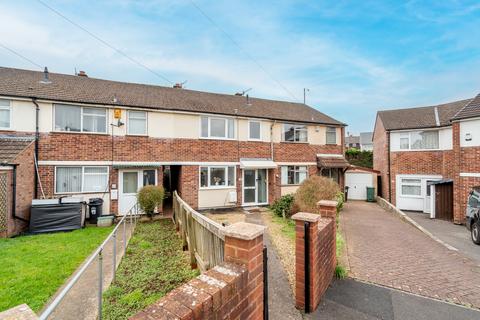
99, 138
429, 157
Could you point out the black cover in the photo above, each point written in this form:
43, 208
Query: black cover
56, 217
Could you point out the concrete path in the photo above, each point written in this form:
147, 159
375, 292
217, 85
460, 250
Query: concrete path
386, 250
456, 236
352, 300
281, 300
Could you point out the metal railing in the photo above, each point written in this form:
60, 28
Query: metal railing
78, 298
201, 235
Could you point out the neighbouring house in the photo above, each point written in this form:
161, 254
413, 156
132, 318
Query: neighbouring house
429, 157
352, 141
107, 139
17, 182
366, 141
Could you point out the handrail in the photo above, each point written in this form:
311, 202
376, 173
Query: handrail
133, 212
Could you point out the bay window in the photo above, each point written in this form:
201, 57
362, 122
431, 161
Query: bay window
293, 175
294, 133
5, 114
217, 176
81, 179
137, 122
215, 127
80, 119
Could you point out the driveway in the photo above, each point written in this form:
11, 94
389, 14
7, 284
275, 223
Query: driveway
385, 250
456, 236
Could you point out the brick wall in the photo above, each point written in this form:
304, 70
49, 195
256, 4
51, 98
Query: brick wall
188, 183
232, 290
322, 256
380, 155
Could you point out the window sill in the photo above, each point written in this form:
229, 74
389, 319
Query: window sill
80, 192
137, 135
255, 140
294, 142
76, 132
215, 138
290, 185
218, 188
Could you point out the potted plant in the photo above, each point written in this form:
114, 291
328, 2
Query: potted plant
150, 198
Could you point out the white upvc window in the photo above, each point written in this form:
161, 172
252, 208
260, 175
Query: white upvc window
294, 133
293, 175
72, 118
331, 135
217, 128
254, 130
5, 114
217, 177
411, 187
420, 140
136, 122
405, 141
79, 179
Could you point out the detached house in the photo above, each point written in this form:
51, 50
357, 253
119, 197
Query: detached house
107, 139
428, 157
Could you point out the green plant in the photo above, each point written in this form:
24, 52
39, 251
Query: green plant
282, 207
340, 272
359, 158
149, 198
312, 190
340, 198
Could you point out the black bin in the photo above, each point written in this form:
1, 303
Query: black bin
95, 209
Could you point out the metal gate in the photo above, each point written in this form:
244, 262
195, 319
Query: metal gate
265, 283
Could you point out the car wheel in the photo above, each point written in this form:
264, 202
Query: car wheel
476, 232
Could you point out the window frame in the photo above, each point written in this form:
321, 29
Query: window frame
259, 130
10, 112
209, 134
408, 135
296, 169
296, 128
81, 119
226, 174
414, 184
82, 185
327, 133
128, 123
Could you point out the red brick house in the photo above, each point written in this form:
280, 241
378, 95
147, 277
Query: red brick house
99, 138
428, 157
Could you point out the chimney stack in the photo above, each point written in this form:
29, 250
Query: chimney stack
82, 73
45, 79
178, 86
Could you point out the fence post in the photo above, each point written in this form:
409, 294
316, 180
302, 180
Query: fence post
100, 283
124, 238
114, 255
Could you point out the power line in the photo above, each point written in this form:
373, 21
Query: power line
103, 41
243, 51
20, 55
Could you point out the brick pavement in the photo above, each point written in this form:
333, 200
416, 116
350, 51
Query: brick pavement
385, 250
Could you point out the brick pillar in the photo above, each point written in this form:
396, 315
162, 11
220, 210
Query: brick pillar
327, 208
244, 245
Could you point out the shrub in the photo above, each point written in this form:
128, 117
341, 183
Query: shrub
312, 190
149, 198
283, 207
340, 198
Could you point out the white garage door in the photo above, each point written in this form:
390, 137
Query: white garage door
357, 183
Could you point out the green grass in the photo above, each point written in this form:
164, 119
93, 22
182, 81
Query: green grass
340, 244
154, 265
288, 226
32, 268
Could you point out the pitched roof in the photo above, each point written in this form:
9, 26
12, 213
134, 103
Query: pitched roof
10, 147
332, 162
366, 137
471, 110
421, 117
352, 139
69, 88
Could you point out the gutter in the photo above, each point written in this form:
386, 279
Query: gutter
37, 138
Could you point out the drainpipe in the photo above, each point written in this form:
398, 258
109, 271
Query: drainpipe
271, 139
14, 193
389, 169
37, 137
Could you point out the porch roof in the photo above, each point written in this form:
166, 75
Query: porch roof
332, 161
257, 164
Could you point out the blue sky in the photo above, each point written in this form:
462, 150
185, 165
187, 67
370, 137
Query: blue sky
356, 57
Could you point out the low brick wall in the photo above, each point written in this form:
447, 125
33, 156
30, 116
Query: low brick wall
231, 290
322, 256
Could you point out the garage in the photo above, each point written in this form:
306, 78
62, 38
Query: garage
357, 179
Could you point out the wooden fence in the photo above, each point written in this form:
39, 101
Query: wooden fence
201, 235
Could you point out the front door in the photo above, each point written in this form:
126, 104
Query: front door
255, 189
427, 207
131, 181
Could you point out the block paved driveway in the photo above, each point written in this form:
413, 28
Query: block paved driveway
383, 249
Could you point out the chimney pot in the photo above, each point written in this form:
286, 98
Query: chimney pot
82, 73
178, 86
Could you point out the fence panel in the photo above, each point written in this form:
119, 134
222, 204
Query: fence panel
201, 235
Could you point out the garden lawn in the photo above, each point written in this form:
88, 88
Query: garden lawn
32, 268
154, 265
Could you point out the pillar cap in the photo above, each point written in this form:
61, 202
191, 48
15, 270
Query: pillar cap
306, 216
327, 203
244, 230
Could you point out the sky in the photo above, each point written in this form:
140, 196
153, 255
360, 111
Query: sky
355, 57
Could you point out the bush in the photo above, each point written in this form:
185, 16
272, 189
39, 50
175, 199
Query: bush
283, 207
149, 198
340, 198
312, 190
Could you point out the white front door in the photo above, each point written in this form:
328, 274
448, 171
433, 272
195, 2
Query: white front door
427, 206
255, 189
130, 182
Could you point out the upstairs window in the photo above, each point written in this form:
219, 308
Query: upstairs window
293, 175
213, 127
80, 119
5, 114
405, 141
137, 122
420, 140
217, 177
254, 130
295, 133
331, 135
